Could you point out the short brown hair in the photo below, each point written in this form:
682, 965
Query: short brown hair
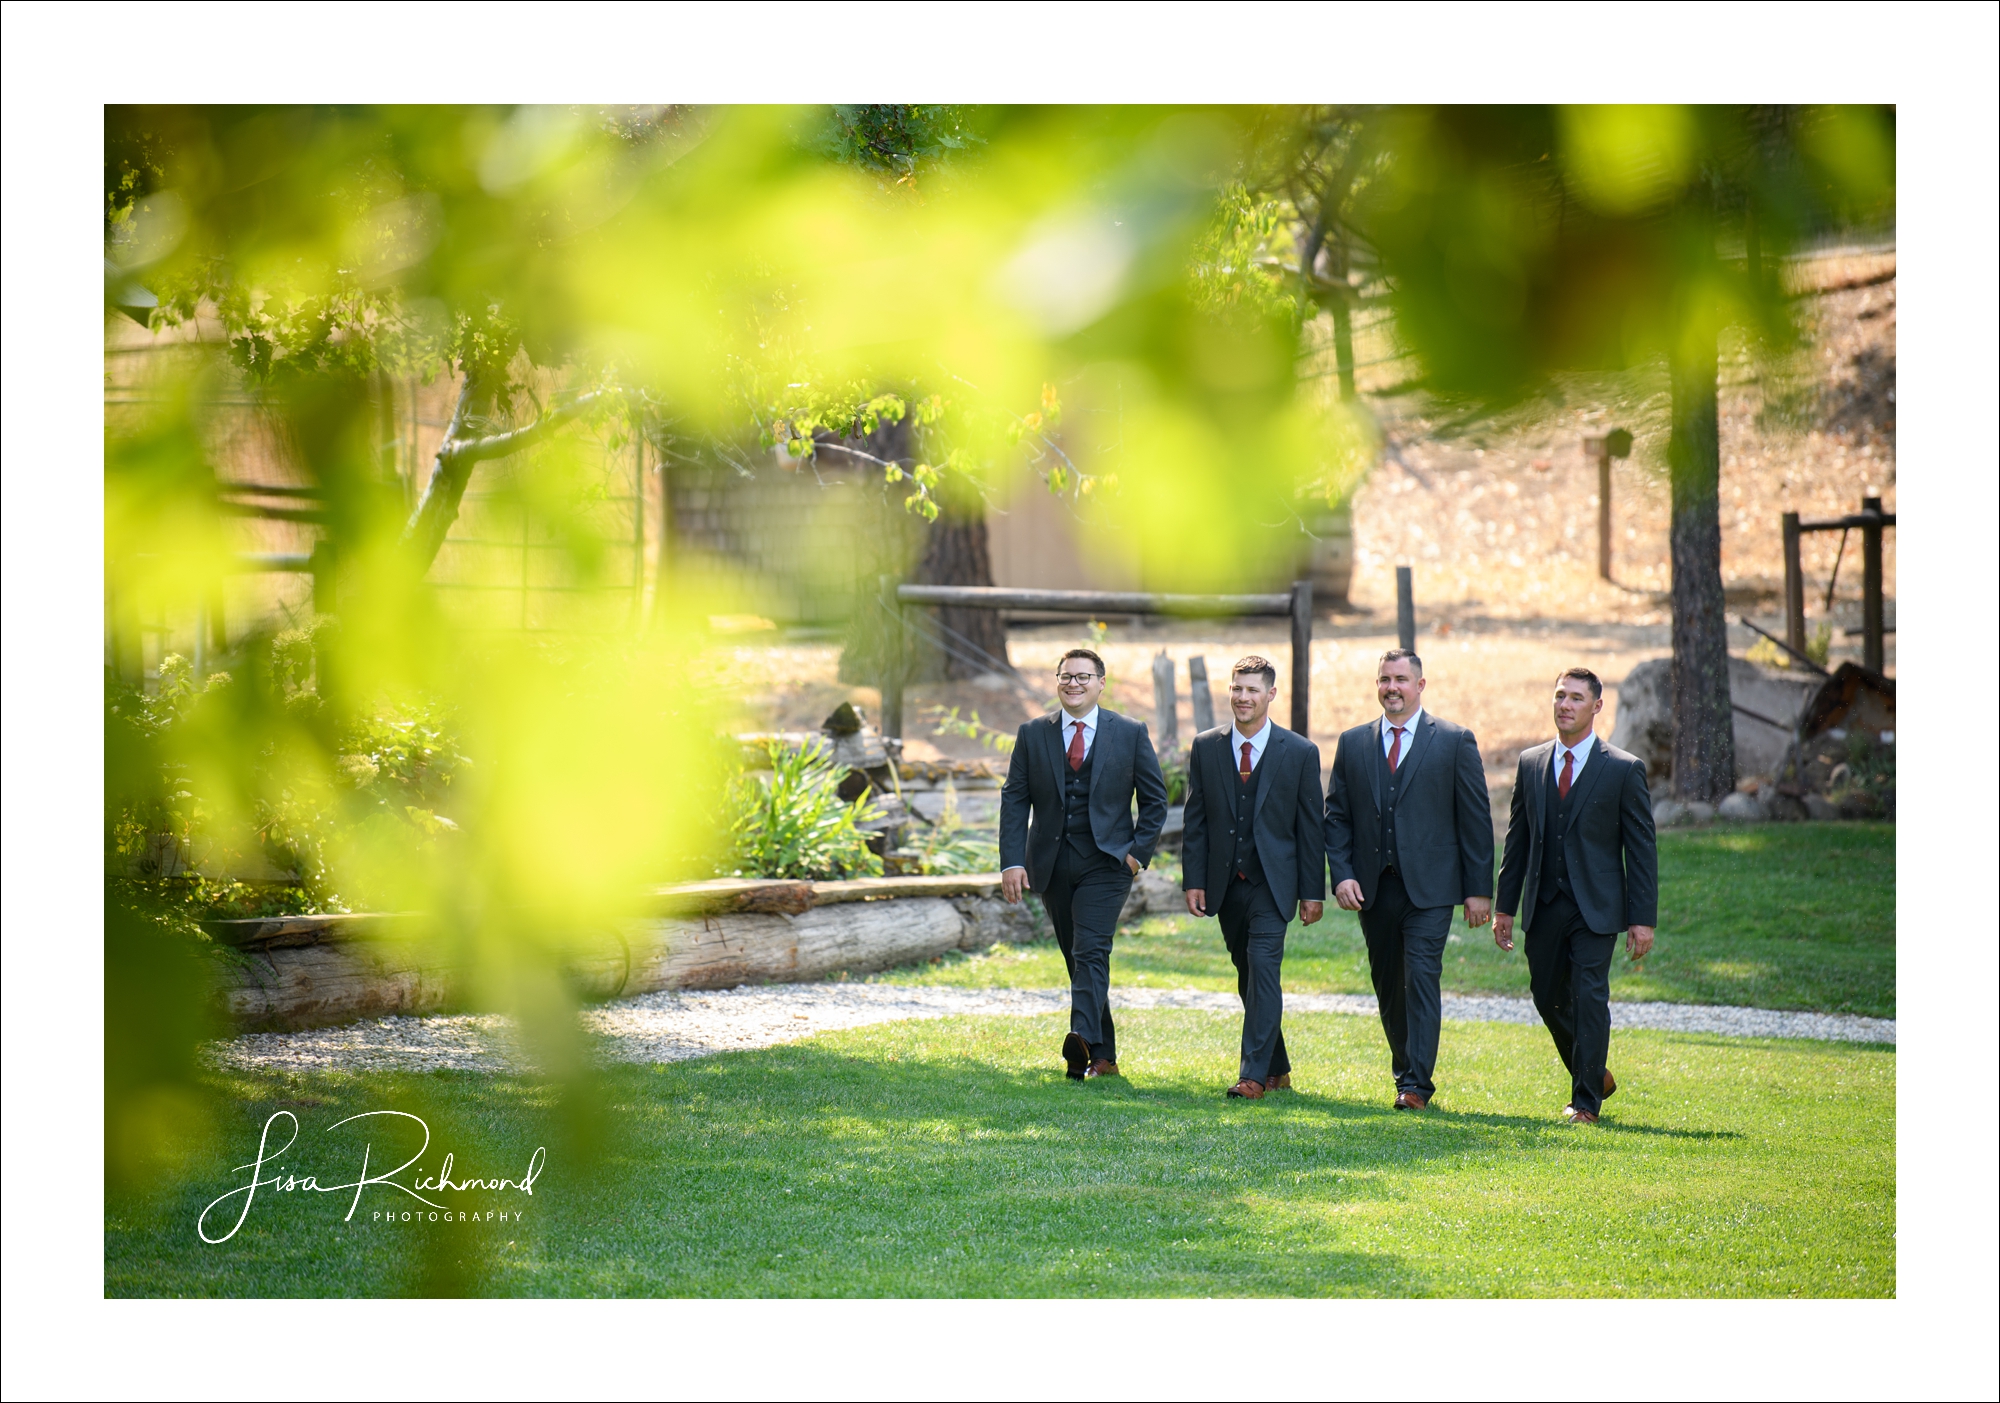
1096, 661
1395, 653
1253, 663
1584, 674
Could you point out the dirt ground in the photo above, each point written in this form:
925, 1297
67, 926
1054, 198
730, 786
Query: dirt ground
1498, 519
1493, 678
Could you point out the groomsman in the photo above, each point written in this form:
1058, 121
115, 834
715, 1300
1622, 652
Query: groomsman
1581, 859
1067, 832
1409, 835
1252, 853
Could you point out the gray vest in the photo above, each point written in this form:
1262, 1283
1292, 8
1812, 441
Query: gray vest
1390, 779
1244, 862
1076, 798
1555, 861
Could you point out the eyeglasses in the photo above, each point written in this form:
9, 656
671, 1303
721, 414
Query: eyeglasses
1076, 679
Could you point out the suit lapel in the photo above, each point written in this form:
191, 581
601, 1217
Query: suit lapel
1537, 816
1420, 746
1375, 765
1097, 744
1586, 779
1273, 748
1054, 748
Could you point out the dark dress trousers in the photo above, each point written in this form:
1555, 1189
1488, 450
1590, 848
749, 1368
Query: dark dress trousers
1257, 851
1588, 867
1071, 830
1419, 841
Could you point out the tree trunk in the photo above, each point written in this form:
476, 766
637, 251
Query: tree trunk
975, 640
1343, 319
888, 548
1704, 765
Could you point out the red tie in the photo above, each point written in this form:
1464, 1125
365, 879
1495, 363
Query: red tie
1395, 747
1076, 747
1243, 770
1562, 780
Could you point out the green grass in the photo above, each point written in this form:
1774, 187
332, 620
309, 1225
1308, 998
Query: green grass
1793, 916
952, 1158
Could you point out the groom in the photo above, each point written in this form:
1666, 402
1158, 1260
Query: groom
1066, 831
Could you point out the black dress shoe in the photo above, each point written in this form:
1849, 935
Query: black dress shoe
1076, 1053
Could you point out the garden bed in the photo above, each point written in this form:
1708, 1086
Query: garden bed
315, 971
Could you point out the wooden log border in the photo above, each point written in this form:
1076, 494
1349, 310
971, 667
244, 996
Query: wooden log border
297, 972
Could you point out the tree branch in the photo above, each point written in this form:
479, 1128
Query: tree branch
430, 523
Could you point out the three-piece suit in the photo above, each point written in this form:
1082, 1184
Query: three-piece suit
1066, 815
1255, 846
1407, 817
1583, 866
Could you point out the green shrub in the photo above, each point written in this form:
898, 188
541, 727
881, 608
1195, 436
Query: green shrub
793, 822
947, 849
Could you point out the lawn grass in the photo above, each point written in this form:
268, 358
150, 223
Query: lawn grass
1791, 916
951, 1158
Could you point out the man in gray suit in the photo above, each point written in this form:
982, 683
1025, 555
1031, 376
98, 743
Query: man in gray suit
1409, 835
1253, 852
1067, 832
1581, 857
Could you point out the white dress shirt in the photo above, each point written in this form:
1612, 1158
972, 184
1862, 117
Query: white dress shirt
1409, 734
1257, 744
1089, 724
1581, 750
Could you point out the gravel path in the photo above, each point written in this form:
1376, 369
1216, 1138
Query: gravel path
673, 1027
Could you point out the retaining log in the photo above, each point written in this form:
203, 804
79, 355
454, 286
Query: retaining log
318, 971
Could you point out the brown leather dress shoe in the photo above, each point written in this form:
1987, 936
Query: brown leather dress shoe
1247, 1090
1410, 1101
1610, 1082
1281, 1082
1076, 1054
1576, 1117
1101, 1068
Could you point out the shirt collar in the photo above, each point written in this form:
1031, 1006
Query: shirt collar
1581, 749
1409, 726
1257, 741
1089, 720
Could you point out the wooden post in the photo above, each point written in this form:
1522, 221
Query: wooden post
1872, 653
1302, 656
1201, 701
1598, 449
892, 660
1795, 585
1165, 709
1406, 610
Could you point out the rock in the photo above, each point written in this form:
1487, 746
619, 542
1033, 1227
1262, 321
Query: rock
1646, 710
1740, 808
1700, 814
1153, 893
1818, 806
1859, 803
1781, 808
1669, 813
989, 920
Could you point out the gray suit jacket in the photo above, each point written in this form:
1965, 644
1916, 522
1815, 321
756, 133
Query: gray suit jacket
1285, 822
1444, 842
1613, 862
1122, 765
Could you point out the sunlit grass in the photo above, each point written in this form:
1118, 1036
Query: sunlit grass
953, 1158
1797, 916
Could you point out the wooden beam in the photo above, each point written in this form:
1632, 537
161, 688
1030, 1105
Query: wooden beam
1091, 601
